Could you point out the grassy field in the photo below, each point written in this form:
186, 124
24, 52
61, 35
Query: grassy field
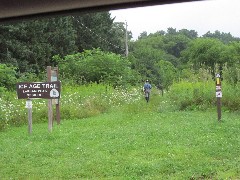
124, 144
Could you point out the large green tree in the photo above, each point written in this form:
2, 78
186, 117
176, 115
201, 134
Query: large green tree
148, 50
119, 37
231, 69
206, 53
224, 37
144, 54
168, 73
30, 45
175, 44
98, 30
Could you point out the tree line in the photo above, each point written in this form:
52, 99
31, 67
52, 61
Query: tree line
30, 45
167, 56
91, 48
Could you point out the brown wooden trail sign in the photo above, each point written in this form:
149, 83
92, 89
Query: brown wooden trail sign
32, 90
47, 90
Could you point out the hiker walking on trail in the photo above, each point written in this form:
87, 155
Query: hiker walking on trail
147, 89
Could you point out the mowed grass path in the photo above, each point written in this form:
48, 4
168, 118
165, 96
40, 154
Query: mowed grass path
122, 145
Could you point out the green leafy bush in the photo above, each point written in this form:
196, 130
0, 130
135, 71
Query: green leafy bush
32, 77
7, 76
94, 66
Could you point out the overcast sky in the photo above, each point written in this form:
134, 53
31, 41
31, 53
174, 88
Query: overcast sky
202, 16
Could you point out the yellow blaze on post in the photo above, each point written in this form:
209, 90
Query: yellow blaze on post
218, 80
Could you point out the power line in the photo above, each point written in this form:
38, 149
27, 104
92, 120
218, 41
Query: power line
99, 37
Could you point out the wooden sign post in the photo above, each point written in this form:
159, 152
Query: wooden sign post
29, 107
50, 112
33, 90
54, 77
219, 96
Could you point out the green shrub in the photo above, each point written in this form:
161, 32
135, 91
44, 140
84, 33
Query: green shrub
190, 95
95, 66
7, 76
32, 77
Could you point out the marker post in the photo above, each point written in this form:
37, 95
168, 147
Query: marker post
219, 96
50, 111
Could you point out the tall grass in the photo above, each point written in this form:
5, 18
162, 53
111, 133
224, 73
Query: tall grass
79, 102
76, 102
231, 97
192, 95
201, 95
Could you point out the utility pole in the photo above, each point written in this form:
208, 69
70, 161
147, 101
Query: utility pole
126, 40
